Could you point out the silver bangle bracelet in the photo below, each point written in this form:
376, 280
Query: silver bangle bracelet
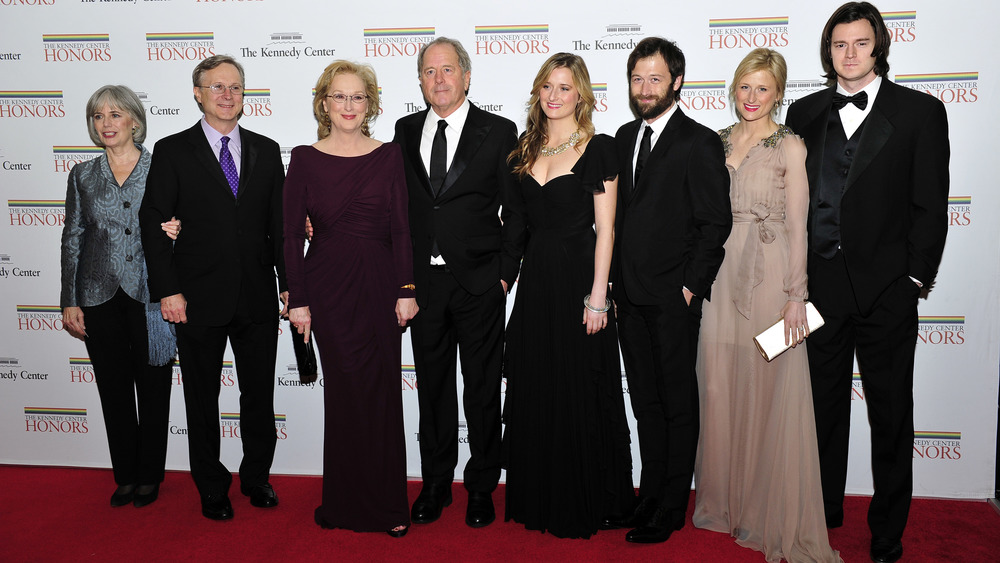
592, 309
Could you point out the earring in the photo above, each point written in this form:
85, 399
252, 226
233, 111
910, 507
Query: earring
325, 119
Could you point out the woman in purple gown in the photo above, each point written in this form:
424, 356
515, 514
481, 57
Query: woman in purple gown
354, 290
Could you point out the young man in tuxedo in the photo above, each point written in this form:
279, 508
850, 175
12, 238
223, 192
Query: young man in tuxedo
218, 280
464, 262
878, 183
673, 218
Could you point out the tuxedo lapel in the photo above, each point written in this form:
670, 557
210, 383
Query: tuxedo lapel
626, 152
814, 132
248, 159
658, 152
203, 152
877, 130
473, 134
412, 135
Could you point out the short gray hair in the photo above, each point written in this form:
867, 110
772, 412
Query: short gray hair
121, 98
463, 56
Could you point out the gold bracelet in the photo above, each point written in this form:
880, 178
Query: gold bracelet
408, 286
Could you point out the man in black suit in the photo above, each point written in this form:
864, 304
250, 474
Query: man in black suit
673, 218
464, 262
878, 183
224, 183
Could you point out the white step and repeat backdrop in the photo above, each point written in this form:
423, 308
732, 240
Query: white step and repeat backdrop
55, 53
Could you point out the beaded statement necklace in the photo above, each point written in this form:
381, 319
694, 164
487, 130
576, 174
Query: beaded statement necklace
552, 151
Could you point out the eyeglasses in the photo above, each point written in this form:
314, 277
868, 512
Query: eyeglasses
220, 88
342, 98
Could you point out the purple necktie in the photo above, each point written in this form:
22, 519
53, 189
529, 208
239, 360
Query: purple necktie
229, 166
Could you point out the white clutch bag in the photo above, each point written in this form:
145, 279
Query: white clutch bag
771, 342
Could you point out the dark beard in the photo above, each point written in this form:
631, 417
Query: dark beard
661, 105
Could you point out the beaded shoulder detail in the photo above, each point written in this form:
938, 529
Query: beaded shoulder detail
770, 142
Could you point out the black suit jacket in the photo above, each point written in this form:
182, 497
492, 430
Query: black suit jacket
465, 216
227, 245
670, 229
894, 209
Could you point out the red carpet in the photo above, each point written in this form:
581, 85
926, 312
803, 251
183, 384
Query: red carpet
59, 514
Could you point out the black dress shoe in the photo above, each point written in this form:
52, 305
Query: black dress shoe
643, 511
216, 507
835, 518
429, 504
480, 511
398, 533
885, 550
261, 496
145, 494
122, 495
656, 530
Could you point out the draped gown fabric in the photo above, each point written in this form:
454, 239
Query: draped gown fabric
566, 439
757, 468
359, 257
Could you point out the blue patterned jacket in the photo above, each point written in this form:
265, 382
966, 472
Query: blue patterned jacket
101, 246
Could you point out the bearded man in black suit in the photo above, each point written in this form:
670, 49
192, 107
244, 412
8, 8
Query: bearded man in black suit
673, 218
464, 262
878, 183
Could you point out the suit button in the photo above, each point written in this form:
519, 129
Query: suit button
128, 231
127, 204
128, 258
436, 207
845, 171
847, 152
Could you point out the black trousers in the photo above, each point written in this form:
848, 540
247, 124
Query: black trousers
659, 345
201, 349
453, 318
116, 343
885, 341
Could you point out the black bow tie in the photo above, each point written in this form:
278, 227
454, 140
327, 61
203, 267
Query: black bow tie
860, 100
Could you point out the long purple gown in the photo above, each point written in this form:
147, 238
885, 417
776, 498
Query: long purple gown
358, 261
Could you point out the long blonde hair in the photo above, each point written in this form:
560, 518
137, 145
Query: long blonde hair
530, 145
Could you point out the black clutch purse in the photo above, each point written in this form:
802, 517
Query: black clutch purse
305, 357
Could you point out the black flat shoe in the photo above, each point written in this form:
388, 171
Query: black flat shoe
398, 533
145, 494
122, 495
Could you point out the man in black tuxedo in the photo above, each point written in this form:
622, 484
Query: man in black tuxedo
224, 184
878, 182
673, 218
464, 262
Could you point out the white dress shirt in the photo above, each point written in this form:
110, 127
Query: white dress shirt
850, 115
453, 132
658, 125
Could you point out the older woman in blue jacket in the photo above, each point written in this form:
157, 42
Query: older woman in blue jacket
105, 298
